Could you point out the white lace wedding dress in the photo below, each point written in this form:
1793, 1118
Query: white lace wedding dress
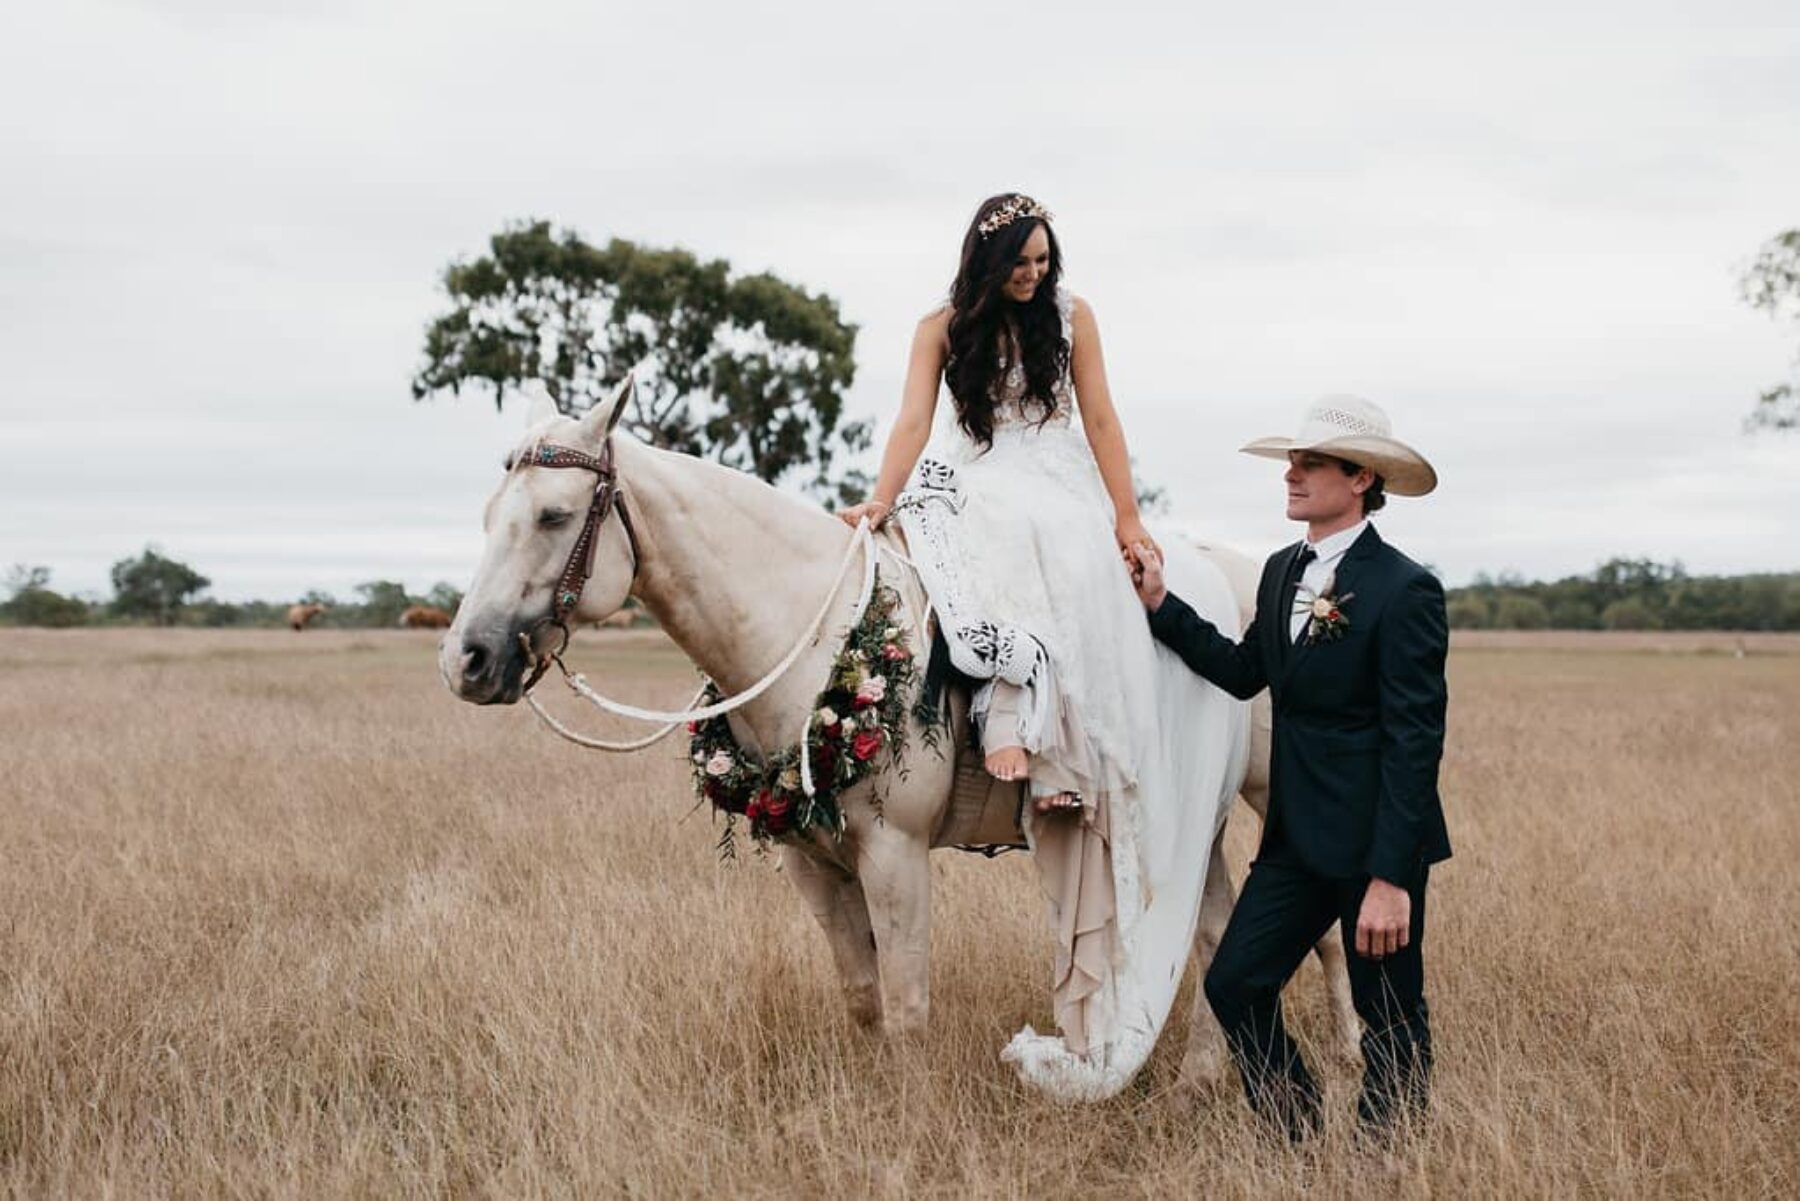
1015, 546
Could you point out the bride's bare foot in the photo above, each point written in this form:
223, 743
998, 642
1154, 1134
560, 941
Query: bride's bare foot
1007, 763
1061, 802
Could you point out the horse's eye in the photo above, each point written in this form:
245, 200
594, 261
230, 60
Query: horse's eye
551, 518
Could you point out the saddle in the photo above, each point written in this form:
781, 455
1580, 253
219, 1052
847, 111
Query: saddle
983, 813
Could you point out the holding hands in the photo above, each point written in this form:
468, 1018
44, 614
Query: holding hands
1146, 562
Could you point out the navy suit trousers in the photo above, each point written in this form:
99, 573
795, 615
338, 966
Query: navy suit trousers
1284, 910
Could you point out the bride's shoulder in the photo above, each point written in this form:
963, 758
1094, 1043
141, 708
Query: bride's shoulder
1077, 312
934, 327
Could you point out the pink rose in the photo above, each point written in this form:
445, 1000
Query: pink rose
871, 691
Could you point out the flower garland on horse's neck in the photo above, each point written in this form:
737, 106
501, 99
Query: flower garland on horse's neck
861, 713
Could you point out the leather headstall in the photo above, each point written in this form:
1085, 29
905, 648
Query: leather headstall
580, 566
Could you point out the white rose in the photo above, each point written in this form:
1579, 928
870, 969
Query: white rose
872, 690
827, 716
891, 633
790, 779
719, 764
1322, 608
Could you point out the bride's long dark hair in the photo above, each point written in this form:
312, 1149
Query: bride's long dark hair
980, 350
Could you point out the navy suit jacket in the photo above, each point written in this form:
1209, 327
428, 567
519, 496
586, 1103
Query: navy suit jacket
1359, 721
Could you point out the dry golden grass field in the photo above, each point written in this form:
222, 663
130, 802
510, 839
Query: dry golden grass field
278, 916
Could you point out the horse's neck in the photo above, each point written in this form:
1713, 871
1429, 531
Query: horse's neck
734, 570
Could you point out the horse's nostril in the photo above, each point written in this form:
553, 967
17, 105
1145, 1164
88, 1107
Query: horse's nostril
475, 659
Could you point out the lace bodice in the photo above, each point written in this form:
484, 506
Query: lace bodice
1013, 408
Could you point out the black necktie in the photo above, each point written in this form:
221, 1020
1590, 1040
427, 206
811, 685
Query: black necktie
1307, 555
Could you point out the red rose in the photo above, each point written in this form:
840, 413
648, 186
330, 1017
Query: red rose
866, 744
834, 730
861, 702
894, 652
1334, 615
693, 727
778, 814
759, 805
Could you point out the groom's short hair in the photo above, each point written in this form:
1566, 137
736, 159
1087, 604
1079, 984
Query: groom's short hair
1376, 496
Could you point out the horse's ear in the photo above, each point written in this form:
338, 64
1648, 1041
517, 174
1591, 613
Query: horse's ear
623, 397
603, 418
542, 407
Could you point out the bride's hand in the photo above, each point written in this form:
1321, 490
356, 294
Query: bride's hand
1129, 533
876, 511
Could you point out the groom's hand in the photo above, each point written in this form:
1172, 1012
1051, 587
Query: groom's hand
1147, 575
1385, 923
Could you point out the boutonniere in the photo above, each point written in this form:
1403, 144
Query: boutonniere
1325, 620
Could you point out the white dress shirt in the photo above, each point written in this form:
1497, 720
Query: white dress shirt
1320, 573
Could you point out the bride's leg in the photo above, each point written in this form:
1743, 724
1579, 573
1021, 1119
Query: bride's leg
1006, 758
1052, 788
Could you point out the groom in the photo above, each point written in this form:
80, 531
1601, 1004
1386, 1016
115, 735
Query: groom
1349, 636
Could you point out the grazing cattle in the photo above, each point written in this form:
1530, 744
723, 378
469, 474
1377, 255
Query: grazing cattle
424, 617
300, 616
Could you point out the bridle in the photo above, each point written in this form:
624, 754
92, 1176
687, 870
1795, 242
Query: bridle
580, 565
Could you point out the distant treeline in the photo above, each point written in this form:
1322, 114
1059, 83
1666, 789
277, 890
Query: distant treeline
151, 589
1630, 594
1622, 594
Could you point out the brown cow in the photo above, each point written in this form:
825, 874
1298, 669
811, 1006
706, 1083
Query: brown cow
424, 617
300, 616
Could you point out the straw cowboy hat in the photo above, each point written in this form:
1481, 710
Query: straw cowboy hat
1356, 430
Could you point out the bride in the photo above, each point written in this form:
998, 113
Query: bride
1019, 528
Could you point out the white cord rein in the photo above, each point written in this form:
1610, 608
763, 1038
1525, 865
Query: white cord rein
863, 540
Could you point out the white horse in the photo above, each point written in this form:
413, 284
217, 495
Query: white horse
733, 569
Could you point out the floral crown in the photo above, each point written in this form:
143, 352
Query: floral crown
1012, 210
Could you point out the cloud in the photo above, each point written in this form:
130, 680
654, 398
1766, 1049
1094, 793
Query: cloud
1518, 231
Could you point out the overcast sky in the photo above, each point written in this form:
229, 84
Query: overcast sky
223, 224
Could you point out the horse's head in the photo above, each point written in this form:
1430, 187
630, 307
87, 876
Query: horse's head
557, 552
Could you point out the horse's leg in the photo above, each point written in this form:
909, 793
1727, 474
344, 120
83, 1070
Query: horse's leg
1208, 1059
896, 879
836, 900
1348, 1034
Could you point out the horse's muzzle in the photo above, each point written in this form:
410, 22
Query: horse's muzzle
483, 669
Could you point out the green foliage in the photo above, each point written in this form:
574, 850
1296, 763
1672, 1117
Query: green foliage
38, 606
383, 602
1521, 613
1772, 283
154, 587
444, 596
1630, 594
1469, 613
748, 370
1629, 614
